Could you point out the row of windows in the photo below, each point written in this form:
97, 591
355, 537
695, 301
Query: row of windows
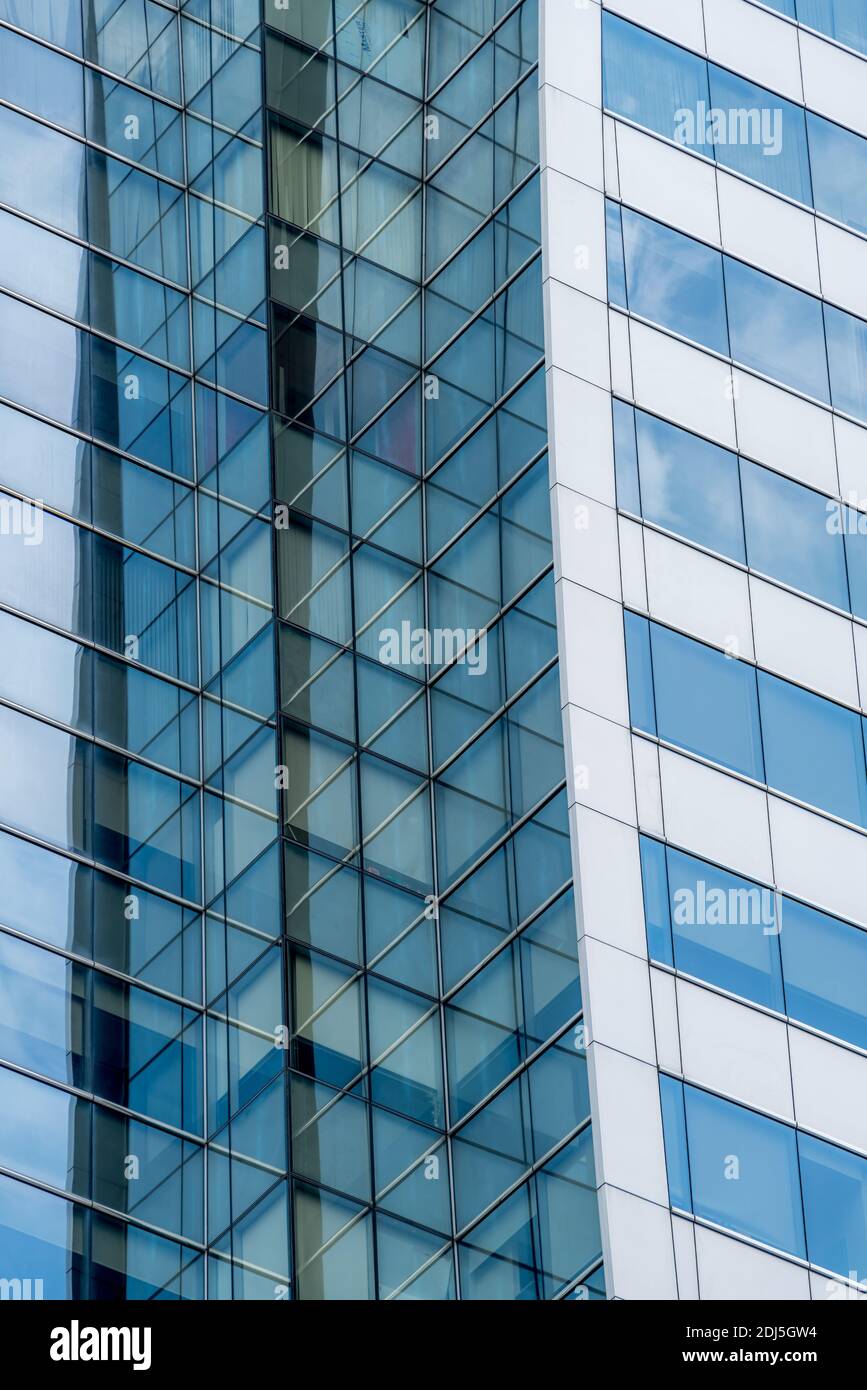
843, 20
422, 61
735, 310
765, 1179
143, 40
746, 128
131, 214
740, 509
529, 1248
755, 943
745, 719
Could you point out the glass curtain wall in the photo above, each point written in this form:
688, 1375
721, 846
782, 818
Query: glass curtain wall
440, 1142
141, 1003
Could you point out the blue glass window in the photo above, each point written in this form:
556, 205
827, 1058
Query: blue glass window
835, 1205
776, 329
847, 355
723, 928
674, 280
839, 163
844, 20
814, 749
825, 972
744, 1170
855, 525
626, 459
676, 1152
706, 702
630, 55
689, 486
640, 673
657, 918
760, 134
788, 535
614, 246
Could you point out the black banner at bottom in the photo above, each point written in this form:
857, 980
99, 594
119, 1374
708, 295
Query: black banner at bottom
244, 1339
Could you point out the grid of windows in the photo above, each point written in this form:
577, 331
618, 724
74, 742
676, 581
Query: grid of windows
744, 127
140, 988
431, 955
288, 964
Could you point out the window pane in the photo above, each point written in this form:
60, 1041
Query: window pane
760, 135
776, 329
788, 535
835, 1206
675, 281
847, 354
689, 486
839, 163
744, 1171
676, 1154
723, 929
649, 80
706, 702
825, 970
813, 749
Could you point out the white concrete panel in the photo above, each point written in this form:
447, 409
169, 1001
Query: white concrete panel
585, 541
617, 999
697, 593
621, 354
754, 43
573, 243
843, 262
682, 384
665, 1022
833, 82
632, 570
580, 436
593, 664
734, 1050
715, 816
680, 20
819, 861
608, 881
630, 1124
793, 436
684, 1258
729, 1269
571, 134
569, 57
648, 793
667, 183
852, 463
830, 1085
803, 642
599, 765
768, 232
639, 1255
577, 333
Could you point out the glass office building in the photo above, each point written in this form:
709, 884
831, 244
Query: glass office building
433, 593
289, 994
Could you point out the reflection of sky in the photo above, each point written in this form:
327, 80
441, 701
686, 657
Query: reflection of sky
675, 281
690, 486
788, 537
777, 329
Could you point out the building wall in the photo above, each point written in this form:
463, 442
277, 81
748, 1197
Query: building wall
763, 375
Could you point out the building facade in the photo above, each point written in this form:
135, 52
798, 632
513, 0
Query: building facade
705, 209
432, 764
